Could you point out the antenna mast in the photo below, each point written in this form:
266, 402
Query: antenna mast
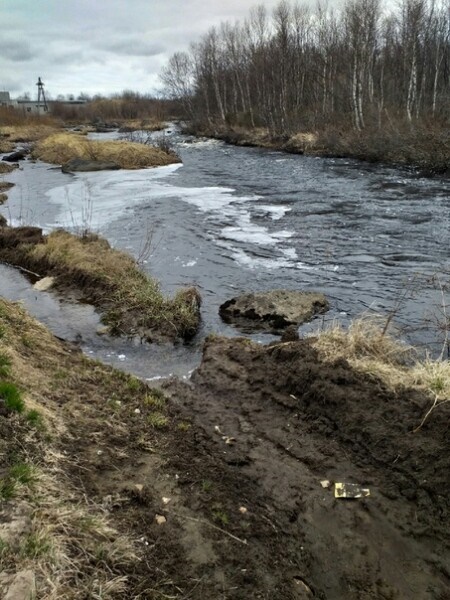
41, 94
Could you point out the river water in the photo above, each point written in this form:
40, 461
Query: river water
232, 219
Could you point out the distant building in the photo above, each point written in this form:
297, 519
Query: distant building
36, 107
5, 100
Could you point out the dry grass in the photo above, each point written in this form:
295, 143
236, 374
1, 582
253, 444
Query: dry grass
142, 125
6, 168
61, 147
426, 147
112, 279
5, 186
6, 145
71, 543
17, 126
27, 133
375, 352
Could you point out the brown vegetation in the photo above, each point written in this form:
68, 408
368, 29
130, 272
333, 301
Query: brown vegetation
132, 302
122, 108
48, 524
62, 147
17, 126
6, 168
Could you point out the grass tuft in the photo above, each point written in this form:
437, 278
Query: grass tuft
370, 349
62, 147
19, 474
157, 420
135, 302
34, 418
22, 473
156, 400
11, 397
5, 365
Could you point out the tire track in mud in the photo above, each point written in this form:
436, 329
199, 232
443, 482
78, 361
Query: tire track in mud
302, 426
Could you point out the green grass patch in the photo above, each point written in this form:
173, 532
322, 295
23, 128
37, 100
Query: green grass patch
156, 400
5, 365
207, 486
22, 473
35, 545
183, 426
134, 384
19, 474
157, 420
11, 397
220, 516
7, 489
35, 419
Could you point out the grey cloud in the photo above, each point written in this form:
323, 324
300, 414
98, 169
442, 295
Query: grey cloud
103, 46
134, 47
15, 51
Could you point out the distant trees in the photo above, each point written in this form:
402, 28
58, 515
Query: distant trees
127, 105
301, 68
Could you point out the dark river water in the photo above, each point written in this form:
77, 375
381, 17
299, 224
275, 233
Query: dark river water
374, 239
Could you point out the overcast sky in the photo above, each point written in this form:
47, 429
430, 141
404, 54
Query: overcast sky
101, 46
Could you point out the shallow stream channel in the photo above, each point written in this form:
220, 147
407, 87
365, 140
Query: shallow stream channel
373, 238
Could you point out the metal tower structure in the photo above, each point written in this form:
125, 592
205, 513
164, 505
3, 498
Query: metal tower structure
41, 94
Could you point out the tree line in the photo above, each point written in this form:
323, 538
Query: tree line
300, 68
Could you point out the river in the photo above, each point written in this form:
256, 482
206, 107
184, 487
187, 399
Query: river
233, 219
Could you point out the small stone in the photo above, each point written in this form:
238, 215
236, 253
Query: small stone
243, 510
102, 330
23, 586
160, 519
325, 483
166, 500
44, 284
137, 411
139, 487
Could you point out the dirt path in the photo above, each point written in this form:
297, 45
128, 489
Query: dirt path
297, 422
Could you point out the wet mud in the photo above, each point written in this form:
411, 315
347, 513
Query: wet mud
237, 474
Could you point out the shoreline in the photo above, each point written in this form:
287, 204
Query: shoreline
371, 147
130, 302
104, 478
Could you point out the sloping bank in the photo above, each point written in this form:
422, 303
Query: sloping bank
425, 149
112, 490
131, 302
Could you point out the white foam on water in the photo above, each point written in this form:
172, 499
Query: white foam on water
276, 212
257, 262
290, 253
94, 200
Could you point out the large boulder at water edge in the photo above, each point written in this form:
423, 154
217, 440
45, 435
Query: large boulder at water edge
273, 310
15, 156
82, 164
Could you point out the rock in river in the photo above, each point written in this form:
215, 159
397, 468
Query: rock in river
274, 310
81, 164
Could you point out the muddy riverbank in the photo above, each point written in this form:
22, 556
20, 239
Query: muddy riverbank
222, 487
